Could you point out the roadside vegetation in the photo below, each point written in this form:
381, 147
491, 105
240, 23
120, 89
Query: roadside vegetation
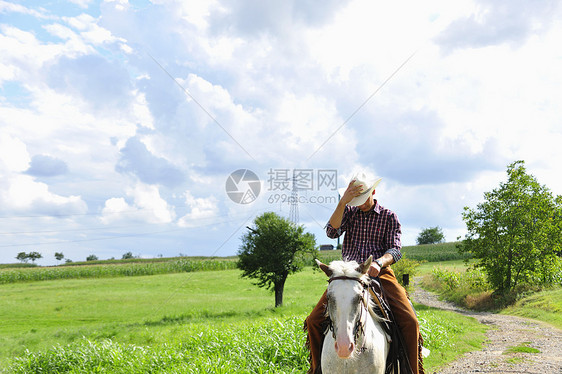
515, 239
468, 287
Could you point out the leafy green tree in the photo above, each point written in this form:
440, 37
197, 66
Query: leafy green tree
431, 235
33, 256
127, 256
273, 249
516, 232
92, 258
22, 256
59, 256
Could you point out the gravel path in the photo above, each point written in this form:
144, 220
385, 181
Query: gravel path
507, 331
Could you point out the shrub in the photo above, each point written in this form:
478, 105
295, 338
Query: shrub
406, 266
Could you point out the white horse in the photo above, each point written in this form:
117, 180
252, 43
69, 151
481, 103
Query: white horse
358, 343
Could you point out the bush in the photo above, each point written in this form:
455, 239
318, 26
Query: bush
470, 289
406, 266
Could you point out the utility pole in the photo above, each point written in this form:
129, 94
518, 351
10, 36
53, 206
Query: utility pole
294, 204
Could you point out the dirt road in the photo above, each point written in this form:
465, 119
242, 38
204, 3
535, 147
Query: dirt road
506, 331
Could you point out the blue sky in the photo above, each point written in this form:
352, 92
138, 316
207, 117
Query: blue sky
121, 121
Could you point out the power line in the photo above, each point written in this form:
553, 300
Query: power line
362, 105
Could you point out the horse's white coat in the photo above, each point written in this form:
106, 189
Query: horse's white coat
371, 347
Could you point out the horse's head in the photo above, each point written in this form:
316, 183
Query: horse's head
347, 301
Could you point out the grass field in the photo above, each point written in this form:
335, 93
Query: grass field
211, 322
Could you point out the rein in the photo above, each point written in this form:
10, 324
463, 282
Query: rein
359, 327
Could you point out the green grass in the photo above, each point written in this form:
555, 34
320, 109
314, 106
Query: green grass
186, 322
271, 346
145, 260
448, 335
17, 265
544, 306
38, 313
453, 265
521, 348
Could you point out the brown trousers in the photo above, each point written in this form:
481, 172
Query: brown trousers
401, 309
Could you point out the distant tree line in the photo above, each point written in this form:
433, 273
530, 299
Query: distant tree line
25, 257
59, 256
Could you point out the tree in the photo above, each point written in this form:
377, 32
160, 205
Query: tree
22, 256
431, 235
273, 249
127, 256
59, 256
34, 256
92, 258
516, 232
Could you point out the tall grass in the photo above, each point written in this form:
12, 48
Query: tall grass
426, 252
269, 345
113, 270
468, 288
434, 252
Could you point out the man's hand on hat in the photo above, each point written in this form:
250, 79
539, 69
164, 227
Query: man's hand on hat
351, 192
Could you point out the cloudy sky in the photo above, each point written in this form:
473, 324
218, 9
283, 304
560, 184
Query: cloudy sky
121, 121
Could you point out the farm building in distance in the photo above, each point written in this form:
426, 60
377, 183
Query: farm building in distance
326, 247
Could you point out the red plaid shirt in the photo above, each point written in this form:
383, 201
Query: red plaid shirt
375, 232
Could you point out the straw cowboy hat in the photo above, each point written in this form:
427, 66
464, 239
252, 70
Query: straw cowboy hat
366, 191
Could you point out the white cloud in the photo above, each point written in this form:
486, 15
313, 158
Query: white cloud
82, 3
7, 7
22, 193
201, 210
91, 31
500, 21
13, 155
147, 206
120, 5
103, 124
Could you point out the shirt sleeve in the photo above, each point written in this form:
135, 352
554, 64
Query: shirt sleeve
394, 243
336, 233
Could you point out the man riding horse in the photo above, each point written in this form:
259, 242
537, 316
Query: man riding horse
370, 230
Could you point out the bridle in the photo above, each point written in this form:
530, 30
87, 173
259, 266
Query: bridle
359, 327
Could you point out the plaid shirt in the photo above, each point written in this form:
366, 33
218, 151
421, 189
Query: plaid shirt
375, 232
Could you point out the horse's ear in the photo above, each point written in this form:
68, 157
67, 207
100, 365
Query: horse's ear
364, 267
325, 268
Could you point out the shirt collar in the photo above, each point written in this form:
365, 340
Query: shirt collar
375, 208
